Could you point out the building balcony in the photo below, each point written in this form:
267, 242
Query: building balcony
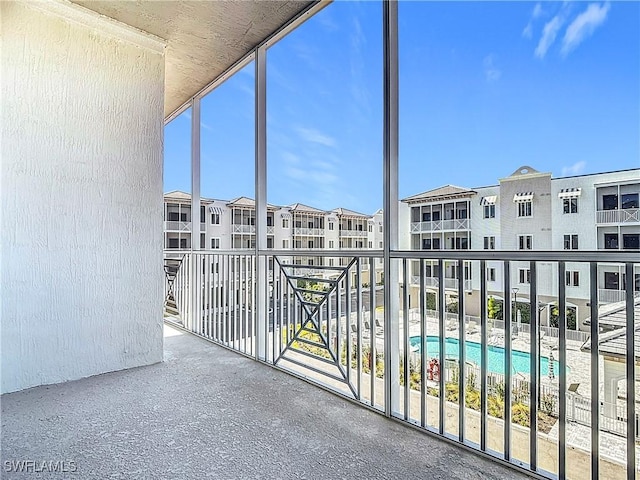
309, 232
310, 318
440, 225
621, 216
250, 229
354, 233
172, 226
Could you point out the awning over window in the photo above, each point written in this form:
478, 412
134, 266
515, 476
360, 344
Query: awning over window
570, 193
523, 197
217, 210
286, 215
491, 200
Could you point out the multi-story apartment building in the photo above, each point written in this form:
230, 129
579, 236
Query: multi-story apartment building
530, 210
230, 225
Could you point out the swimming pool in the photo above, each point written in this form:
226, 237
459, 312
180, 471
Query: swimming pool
519, 360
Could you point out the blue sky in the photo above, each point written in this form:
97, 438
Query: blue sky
485, 87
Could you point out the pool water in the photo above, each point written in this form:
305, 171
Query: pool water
519, 360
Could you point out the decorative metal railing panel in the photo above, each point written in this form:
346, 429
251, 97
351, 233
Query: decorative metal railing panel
550, 399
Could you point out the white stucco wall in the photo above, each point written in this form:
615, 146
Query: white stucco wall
81, 191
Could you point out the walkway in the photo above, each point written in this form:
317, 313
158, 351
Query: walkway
210, 413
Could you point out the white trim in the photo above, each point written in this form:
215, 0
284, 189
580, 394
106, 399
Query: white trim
570, 193
490, 200
103, 24
217, 210
523, 197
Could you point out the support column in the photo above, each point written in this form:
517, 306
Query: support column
196, 291
261, 309
390, 207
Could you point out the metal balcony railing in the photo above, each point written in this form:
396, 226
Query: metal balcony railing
311, 232
530, 395
177, 226
625, 215
353, 233
440, 225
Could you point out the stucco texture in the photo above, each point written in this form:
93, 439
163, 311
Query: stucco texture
81, 190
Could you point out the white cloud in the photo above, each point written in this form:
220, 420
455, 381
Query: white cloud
314, 136
491, 72
549, 33
575, 169
584, 25
536, 13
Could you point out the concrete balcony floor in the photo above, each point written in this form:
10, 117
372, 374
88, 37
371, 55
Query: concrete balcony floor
207, 412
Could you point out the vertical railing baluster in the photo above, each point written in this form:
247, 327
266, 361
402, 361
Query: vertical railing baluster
462, 359
534, 365
338, 321
373, 360
347, 326
595, 370
423, 349
562, 345
484, 326
281, 286
631, 362
506, 307
442, 345
405, 339
359, 326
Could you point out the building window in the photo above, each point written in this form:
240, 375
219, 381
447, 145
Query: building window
331, 262
524, 275
330, 241
462, 243
489, 211
636, 281
630, 200
491, 274
203, 214
630, 241
183, 243
570, 205
380, 228
215, 243
525, 242
330, 225
524, 208
370, 244
285, 223
203, 241
611, 281
610, 202
571, 242
611, 241
489, 243
572, 279
370, 228
380, 243
173, 243
215, 219
285, 243
426, 244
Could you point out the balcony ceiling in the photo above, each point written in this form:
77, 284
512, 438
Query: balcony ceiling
204, 38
